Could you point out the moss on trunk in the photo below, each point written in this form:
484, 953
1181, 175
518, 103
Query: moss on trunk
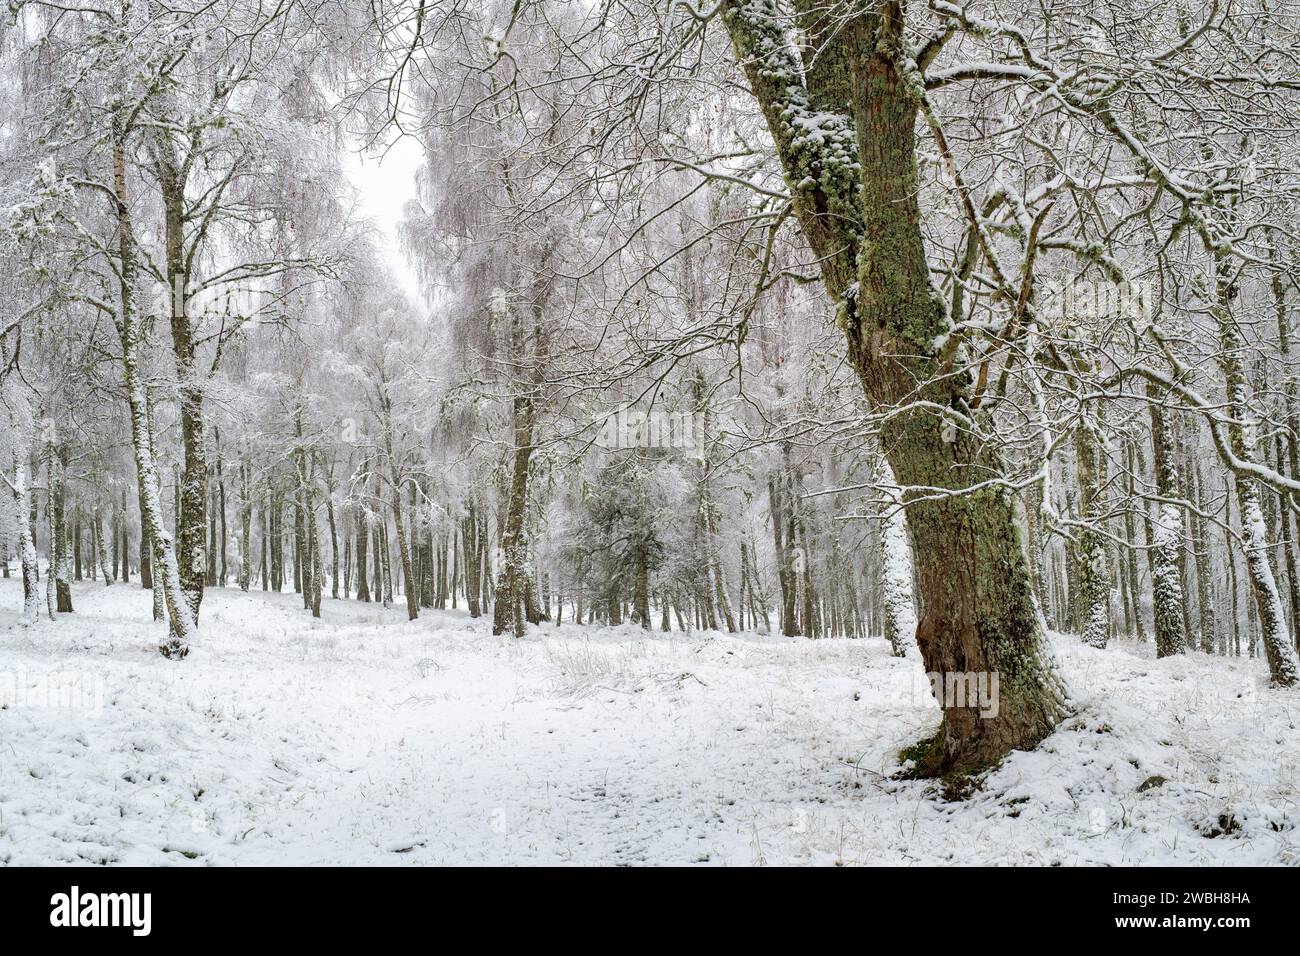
845, 133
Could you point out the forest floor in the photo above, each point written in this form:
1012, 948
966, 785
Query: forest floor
362, 738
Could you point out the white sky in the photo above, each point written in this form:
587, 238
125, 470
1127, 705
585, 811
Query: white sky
386, 183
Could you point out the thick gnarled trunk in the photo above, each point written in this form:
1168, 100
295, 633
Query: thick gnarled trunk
854, 186
979, 617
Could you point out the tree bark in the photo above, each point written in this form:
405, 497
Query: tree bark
776, 484
245, 526
854, 189
1283, 668
183, 620
896, 572
1166, 573
1094, 578
409, 581
60, 567
1200, 545
470, 546
1130, 535
512, 575
191, 533
362, 550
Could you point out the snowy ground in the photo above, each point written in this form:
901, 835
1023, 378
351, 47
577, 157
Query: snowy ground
362, 738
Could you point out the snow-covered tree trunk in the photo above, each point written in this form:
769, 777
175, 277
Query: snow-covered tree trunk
245, 526
1093, 579
125, 529
27, 548
182, 629
347, 560
1288, 447
301, 562
334, 541
385, 563
146, 537
20, 427
1286, 542
782, 533
182, 626
146, 552
811, 611
758, 594
896, 568
101, 546
363, 546
709, 528
470, 545
1131, 536
457, 573
410, 584
275, 509
49, 566
1037, 546
512, 574
1200, 550
60, 565
1166, 537
191, 531
1284, 670
641, 593
314, 556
